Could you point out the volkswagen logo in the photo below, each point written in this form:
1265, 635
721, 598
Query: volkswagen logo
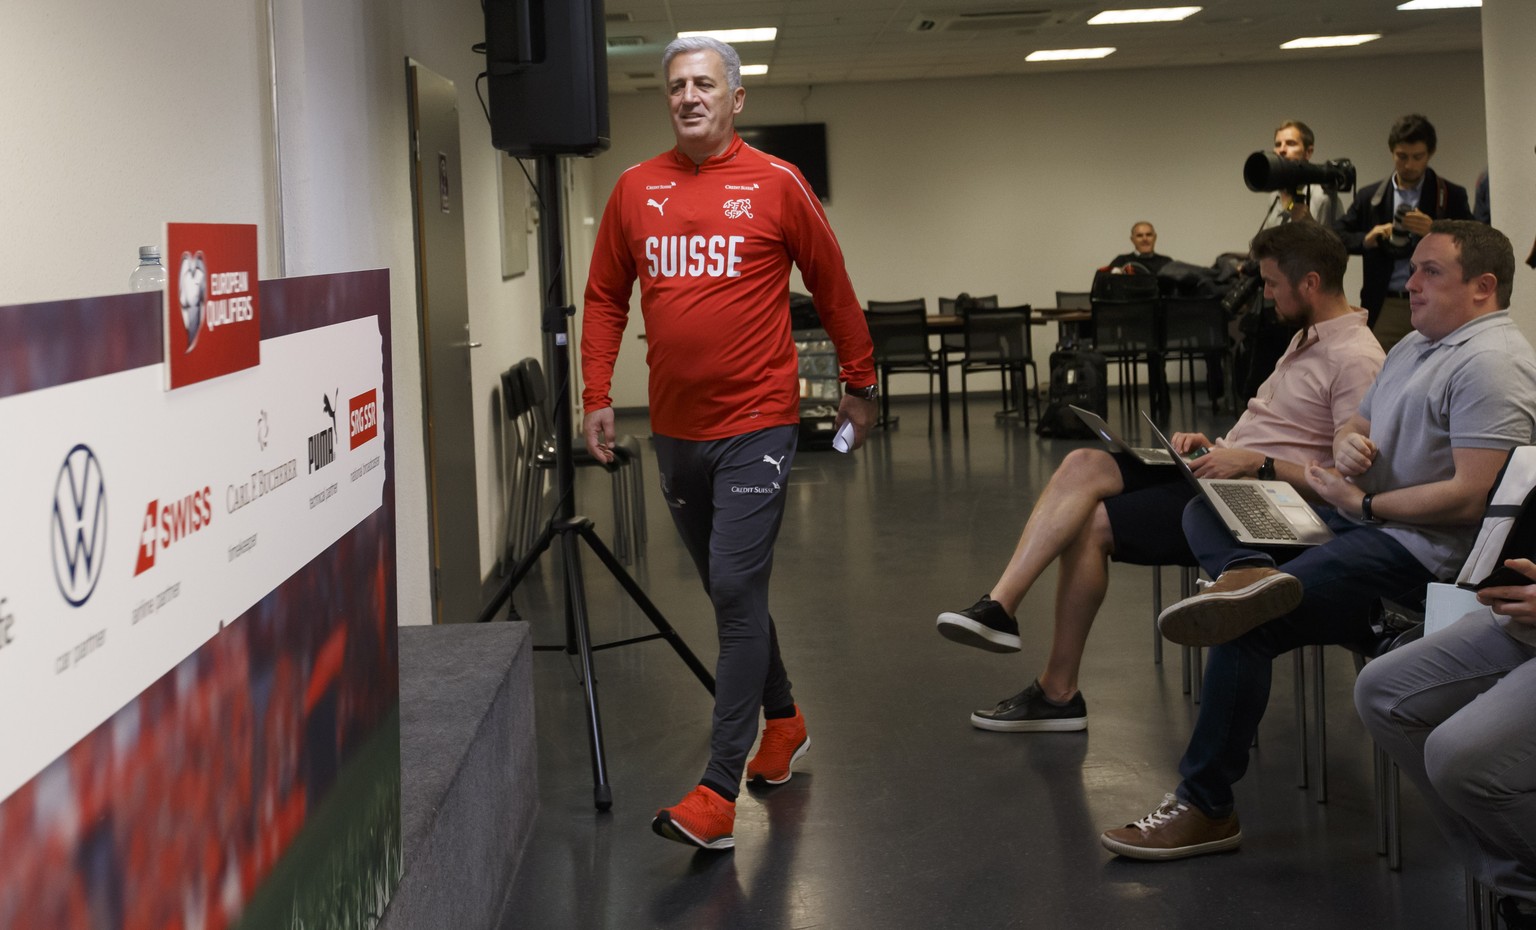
79, 538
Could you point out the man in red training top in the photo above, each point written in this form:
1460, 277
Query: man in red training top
710, 229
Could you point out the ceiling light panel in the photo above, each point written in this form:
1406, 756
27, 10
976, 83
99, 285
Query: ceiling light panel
736, 36
1167, 14
1330, 41
1068, 54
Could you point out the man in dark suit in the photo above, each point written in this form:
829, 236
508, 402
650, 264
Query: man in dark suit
1388, 218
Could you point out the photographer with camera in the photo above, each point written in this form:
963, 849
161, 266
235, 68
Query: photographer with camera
1294, 141
1388, 218
1303, 191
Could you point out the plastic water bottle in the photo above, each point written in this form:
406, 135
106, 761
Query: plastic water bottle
150, 275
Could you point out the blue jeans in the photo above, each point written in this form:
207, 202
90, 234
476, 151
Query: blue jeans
1341, 580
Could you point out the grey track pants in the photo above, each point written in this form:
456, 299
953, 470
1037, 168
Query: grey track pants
727, 500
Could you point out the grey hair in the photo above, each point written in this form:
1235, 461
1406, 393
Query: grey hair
705, 44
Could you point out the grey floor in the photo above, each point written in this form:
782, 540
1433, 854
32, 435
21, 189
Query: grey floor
901, 814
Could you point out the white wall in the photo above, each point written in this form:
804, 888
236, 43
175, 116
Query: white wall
115, 118
1508, 70
1021, 186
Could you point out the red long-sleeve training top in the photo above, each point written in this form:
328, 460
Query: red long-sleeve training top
712, 245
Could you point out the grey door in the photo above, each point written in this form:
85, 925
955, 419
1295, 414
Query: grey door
443, 316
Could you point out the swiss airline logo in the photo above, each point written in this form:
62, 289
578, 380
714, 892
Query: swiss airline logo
212, 323
363, 417
166, 525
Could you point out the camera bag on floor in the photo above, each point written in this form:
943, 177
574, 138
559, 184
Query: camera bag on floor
1077, 378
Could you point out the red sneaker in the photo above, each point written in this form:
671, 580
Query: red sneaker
784, 741
702, 818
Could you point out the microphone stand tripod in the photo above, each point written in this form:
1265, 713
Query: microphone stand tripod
565, 525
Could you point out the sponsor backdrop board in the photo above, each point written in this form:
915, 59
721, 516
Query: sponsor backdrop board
198, 680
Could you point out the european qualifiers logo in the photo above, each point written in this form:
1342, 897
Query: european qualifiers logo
209, 301
165, 526
322, 445
194, 294
79, 532
212, 323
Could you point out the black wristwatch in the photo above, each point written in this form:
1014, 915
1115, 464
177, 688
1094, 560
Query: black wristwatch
868, 393
1267, 470
1365, 509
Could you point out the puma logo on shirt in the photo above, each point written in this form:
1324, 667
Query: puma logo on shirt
651, 202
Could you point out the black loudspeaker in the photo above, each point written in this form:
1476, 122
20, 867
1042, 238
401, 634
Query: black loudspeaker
547, 66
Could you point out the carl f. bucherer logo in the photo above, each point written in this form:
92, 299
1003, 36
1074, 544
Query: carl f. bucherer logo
79, 532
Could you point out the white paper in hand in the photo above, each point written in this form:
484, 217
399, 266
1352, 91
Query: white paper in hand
843, 441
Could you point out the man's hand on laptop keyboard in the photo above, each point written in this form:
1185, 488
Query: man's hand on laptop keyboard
1227, 463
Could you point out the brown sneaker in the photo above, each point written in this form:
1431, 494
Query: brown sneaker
1240, 600
1174, 831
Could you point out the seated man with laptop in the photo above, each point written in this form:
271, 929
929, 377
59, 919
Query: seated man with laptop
1099, 506
1411, 477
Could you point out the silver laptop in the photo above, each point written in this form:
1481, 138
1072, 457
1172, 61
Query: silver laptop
1116, 444
1263, 513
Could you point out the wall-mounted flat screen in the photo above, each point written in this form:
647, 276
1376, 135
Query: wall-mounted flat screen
802, 144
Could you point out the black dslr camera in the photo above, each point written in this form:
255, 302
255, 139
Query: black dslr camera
1266, 171
1236, 300
1402, 242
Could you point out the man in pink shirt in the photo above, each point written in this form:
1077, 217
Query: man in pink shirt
1100, 505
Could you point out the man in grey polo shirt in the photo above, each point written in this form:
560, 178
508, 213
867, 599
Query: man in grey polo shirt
1411, 477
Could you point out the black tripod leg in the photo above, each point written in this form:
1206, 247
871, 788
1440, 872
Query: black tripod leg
576, 605
503, 594
637, 595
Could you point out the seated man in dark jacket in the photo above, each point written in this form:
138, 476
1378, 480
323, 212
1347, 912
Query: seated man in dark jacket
1144, 239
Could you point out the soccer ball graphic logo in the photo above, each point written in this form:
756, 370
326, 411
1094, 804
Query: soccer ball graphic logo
194, 294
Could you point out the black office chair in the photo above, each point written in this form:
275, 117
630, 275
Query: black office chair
1070, 335
525, 394
1195, 329
1129, 333
952, 345
998, 339
899, 330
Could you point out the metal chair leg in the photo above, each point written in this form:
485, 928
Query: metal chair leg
1300, 674
1319, 728
1157, 608
1194, 658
